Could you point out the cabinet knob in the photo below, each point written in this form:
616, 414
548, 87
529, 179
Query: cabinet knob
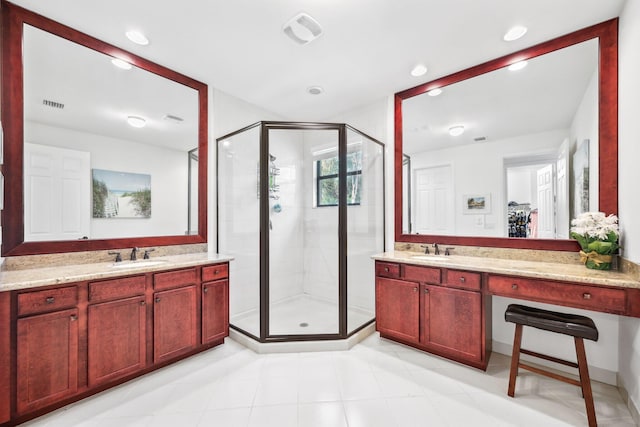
216, 271
462, 279
386, 269
50, 300
586, 295
415, 289
426, 291
205, 290
157, 299
514, 286
73, 317
143, 303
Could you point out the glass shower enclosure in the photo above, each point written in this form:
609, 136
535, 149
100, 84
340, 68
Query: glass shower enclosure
301, 209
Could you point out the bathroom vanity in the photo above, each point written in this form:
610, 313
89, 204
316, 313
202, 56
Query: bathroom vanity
76, 330
443, 304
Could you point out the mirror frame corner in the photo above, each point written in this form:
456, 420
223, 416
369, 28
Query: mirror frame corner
607, 35
12, 109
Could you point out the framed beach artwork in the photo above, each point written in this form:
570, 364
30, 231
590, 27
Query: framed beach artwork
121, 194
476, 203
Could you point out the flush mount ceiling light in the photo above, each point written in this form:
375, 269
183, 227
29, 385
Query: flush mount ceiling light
137, 37
315, 90
121, 63
136, 121
302, 29
456, 130
514, 33
419, 70
517, 65
434, 92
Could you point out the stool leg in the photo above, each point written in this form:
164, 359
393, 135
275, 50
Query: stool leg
585, 382
515, 360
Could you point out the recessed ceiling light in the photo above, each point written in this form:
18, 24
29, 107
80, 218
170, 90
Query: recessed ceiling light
456, 130
315, 90
517, 65
302, 29
514, 33
419, 70
137, 37
121, 63
434, 92
136, 121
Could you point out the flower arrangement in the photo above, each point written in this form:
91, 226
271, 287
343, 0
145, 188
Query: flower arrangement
598, 236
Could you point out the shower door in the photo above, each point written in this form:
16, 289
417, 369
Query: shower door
303, 268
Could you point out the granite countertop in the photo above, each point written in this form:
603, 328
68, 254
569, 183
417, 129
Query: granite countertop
33, 278
577, 272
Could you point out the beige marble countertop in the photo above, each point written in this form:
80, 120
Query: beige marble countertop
577, 272
35, 277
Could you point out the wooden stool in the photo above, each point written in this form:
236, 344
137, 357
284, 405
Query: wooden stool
578, 327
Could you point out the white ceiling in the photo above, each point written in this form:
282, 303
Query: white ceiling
366, 52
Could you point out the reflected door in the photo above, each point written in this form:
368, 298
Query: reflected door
434, 208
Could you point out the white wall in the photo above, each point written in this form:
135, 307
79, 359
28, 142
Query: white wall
169, 178
628, 179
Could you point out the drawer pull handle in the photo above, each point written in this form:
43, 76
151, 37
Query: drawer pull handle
386, 269
462, 279
50, 300
586, 295
157, 299
514, 286
73, 317
216, 271
143, 303
205, 290
415, 289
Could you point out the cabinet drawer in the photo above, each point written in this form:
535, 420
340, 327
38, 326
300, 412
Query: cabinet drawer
116, 288
574, 295
387, 269
172, 279
422, 274
463, 280
47, 300
215, 272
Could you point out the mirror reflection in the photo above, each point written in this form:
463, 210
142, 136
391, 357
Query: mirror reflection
110, 149
510, 153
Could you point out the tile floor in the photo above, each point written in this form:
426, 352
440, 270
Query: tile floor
376, 383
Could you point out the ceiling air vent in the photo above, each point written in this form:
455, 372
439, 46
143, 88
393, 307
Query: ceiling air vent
480, 139
53, 104
173, 119
302, 29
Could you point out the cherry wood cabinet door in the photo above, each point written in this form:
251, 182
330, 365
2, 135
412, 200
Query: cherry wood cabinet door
47, 356
398, 309
215, 311
117, 339
175, 326
452, 321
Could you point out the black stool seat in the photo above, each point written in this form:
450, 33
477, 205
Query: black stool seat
562, 323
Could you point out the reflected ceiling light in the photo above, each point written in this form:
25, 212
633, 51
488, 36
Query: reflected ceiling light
514, 33
434, 92
315, 90
517, 65
137, 37
456, 130
121, 63
302, 29
419, 70
136, 121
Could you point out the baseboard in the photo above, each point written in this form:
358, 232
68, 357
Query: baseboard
598, 374
633, 409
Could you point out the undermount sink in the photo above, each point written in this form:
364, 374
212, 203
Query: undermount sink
430, 257
137, 264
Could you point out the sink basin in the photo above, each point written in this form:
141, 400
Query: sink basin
137, 264
430, 257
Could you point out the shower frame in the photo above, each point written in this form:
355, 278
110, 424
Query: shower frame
341, 128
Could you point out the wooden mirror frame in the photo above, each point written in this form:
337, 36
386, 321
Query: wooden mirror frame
607, 34
13, 244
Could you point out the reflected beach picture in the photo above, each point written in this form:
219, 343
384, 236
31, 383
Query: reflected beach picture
121, 194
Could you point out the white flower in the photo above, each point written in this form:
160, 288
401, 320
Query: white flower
595, 224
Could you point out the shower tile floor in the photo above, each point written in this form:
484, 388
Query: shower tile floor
378, 383
301, 315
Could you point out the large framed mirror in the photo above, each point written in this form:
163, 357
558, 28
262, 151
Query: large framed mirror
102, 148
501, 156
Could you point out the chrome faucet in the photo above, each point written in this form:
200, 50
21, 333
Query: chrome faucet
117, 254
437, 249
134, 255
426, 249
146, 253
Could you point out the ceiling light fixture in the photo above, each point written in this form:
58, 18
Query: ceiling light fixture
121, 63
517, 65
315, 90
137, 37
434, 92
136, 121
456, 130
302, 29
515, 33
419, 70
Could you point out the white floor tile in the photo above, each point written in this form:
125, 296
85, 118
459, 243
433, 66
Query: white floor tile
369, 413
274, 416
276, 391
325, 414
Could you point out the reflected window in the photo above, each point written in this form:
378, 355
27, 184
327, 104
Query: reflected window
327, 190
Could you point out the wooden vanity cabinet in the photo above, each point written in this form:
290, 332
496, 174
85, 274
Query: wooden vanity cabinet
442, 311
